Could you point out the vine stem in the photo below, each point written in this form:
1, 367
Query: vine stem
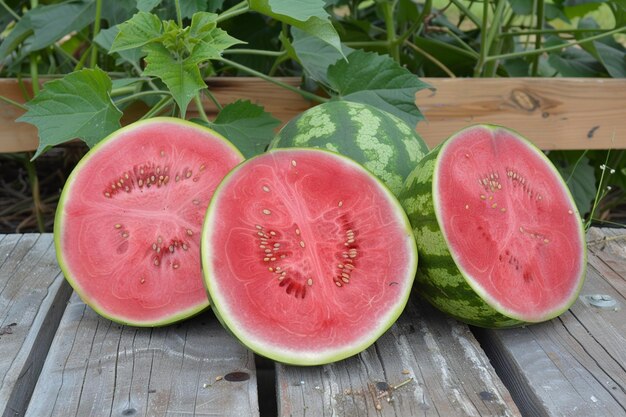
179, 14
11, 12
141, 94
96, 29
482, 57
250, 71
236, 10
390, 26
538, 39
253, 52
200, 107
165, 101
34, 186
13, 103
556, 47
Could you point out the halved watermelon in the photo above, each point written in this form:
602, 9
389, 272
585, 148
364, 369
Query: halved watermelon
307, 257
127, 228
500, 239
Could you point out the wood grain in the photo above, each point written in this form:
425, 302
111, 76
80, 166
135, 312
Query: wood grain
33, 294
554, 113
98, 368
574, 365
425, 365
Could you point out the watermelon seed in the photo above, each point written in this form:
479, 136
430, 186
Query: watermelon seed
260, 234
266, 212
270, 269
467, 207
467, 155
349, 266
293, 163
273, 233
189, 232
268, 251
340, 266
570, 212
188, 174
298, 232
172, 248
177, 178
156, 261
502, 209
107, 195
482, 197
494, 205
338, 283
266, 259
158, 170
175, 265
159, 240
340, 203
546, 241
125, 234
140, 182
346, 280
117, 225
302, 243
266, 188
309, 282
185, 246
154, 246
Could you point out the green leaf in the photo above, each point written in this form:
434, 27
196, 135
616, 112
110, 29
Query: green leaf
315, 55
51, 23
248, 126
189, 7
608, 51
377, 80
307, 15
105, 39
182, 76
77, 106
579, 176
147, 5
140, 30
22, 30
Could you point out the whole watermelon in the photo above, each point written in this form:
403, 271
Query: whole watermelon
378, 140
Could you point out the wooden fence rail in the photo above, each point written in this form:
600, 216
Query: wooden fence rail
555, 113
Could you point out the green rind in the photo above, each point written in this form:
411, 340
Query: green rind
295, 358
58, 227
380, 141
439, 279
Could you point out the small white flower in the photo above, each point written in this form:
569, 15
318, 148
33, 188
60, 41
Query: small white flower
602, 167
609, 188
612, 171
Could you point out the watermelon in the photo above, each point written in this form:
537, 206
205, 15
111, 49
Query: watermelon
380, 141
500, 239
127, 227
307, 257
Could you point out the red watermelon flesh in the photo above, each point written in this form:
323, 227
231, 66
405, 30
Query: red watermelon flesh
308, 258
510, 223
128, 224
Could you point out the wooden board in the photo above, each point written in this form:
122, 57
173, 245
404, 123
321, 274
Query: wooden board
574, 365
554, 113
426, 365
33, 294
98, 368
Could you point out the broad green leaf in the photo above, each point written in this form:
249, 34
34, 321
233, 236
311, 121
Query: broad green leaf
189, 7
248, 126
307, 15
140, 30
377, 80
22, 30
116, 12
315, 55
575, 62
51, 23
609, 52
147, 5
77, 106
283, 10
182, 76
579, 176
105, 39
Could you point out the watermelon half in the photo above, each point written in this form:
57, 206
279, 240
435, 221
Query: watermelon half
378, 140
307, 257
127, 227
501, 242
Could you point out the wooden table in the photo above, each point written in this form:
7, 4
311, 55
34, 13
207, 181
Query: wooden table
59, 358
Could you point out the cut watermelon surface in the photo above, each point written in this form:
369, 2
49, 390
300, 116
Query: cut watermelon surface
307, 257
127, 229
500, 238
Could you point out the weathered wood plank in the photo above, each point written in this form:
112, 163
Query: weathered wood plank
33, 295
554, 113
426, 365
574, 365
98, 368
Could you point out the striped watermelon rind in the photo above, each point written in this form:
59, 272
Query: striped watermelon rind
378, 140
439, 279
